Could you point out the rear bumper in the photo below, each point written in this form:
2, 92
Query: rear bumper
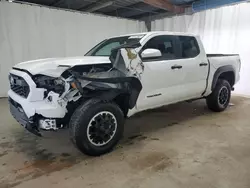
18, 113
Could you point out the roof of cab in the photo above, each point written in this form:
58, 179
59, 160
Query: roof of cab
159, 33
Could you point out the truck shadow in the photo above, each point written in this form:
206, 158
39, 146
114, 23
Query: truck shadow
160, 118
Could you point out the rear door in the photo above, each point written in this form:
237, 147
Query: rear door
195, 67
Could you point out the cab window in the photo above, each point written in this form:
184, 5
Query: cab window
163, 43
189, 47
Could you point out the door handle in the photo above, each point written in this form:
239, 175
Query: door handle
176, 67
203, 64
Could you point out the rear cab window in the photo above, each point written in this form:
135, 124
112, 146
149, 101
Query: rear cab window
189, 47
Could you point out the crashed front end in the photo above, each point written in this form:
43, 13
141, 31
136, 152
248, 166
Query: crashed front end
34, 106
43, 102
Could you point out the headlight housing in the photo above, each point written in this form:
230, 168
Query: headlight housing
56, 85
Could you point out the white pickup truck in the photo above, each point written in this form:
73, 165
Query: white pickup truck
92, 95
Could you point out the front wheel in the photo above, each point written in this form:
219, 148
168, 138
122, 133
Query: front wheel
219, 99
96, 127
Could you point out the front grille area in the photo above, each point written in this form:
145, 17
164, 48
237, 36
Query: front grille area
19, 85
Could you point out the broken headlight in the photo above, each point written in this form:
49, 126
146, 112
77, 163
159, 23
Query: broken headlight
56, 85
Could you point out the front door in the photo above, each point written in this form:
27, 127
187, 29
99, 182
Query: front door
161, 75
179, 74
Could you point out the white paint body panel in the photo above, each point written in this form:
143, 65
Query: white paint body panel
158, 78
174, 85
51, 67
217, 62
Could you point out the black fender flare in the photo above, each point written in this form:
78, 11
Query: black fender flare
109, 95
219, 71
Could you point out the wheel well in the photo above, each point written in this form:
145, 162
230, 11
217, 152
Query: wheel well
122, 101
229, 76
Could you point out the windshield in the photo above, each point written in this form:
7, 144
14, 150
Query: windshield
104, 48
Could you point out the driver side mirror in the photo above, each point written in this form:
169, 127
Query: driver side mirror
150, 53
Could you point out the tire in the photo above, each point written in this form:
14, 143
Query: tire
93, 122
219, 99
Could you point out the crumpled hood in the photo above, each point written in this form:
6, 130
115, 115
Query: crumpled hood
56, 66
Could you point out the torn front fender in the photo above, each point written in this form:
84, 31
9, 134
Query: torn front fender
123, 78
130, 85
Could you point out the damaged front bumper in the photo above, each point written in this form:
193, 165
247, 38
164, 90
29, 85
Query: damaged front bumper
36, 115
34, 124
18, 113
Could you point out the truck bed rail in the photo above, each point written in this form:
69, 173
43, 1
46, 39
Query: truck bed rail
221, 55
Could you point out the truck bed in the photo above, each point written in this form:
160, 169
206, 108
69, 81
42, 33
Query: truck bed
218, 60
224, 60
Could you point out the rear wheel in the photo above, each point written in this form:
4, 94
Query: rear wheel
96, 127
219, 99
